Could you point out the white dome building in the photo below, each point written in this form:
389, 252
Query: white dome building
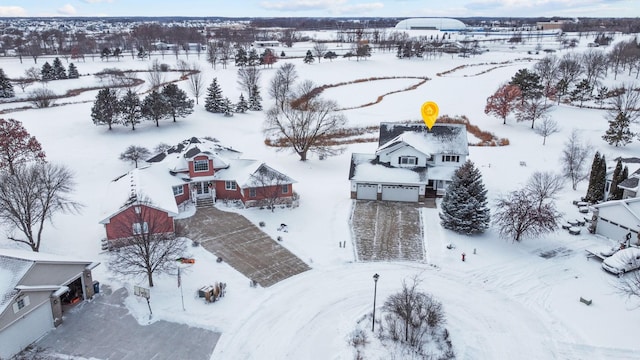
442, 24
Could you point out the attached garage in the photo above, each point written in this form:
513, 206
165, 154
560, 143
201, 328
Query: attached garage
400, 193
367, 192
618, 219
27, 329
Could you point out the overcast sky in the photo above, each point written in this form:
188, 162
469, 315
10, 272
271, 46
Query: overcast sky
321, 8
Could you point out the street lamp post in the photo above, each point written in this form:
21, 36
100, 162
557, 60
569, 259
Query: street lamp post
375, 289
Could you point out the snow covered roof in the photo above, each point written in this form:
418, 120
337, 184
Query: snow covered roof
177, 157
621, 209
244, 173
364, 167
441, 139
443, 24
150, 185
15, 264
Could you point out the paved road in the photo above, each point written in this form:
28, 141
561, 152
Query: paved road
104, 329
242, 245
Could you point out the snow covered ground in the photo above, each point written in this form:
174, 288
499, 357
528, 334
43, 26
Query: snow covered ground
504, 302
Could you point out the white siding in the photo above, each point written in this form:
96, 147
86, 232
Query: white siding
26, 330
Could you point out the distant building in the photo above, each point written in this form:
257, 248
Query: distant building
550, 25
442, 24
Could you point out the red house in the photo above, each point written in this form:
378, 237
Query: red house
199, 170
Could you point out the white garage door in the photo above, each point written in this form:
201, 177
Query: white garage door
367, 192
400, 193
26, 330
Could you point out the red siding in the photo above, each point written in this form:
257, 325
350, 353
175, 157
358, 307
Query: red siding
193, 173
262, 193
185, 196
222, 193
121, 225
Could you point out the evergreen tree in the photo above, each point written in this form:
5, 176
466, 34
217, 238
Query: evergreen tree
529, 84
179, 104
464, 205
597, 179
130, 108
227, 107
253, 58
106, 108
213, 101
255, 100
241, 57
308, 58
155, 107
73, 72
6, 89
242, 106
618, 132
582, 92
59, 72
615, 180
47, 72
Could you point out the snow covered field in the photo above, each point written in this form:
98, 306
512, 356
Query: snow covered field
505, 302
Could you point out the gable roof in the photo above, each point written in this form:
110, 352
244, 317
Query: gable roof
618, 208
441, 139
177, 157
365, 168
244, 173
150, 185
15, 264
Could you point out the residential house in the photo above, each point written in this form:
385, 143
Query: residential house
629, 185
198, 170
411, 162
618, 220
35, 289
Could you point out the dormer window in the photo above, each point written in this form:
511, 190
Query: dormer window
408, 160
450, 158
200, 165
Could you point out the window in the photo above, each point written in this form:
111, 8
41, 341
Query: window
138, 209
408, 160
450, 158
230, 185
178, 190
139, 228
200, 165
285, 189
20, 304
252, 192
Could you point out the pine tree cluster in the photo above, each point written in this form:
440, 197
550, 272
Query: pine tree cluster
215, 102
620, 174
464, 205
597, 179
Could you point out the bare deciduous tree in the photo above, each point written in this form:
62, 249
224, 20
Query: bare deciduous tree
32, 196
196, 83
547, 127
148, 246
519, 215
42, 97
319, 49
134, 154
533, 109
574, 159
544, 186
155, 76
627, 101
306, 127
248, 78
282, 84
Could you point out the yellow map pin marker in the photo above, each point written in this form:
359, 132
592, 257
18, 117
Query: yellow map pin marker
429, 112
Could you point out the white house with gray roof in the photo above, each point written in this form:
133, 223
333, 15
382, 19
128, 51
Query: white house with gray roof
411, 162
35, 288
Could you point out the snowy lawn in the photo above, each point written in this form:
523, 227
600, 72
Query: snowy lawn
505, 301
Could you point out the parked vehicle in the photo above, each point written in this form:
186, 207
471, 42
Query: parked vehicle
622, 261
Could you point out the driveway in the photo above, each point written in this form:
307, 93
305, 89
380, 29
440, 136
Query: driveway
384, 230
242, 245
104, 329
